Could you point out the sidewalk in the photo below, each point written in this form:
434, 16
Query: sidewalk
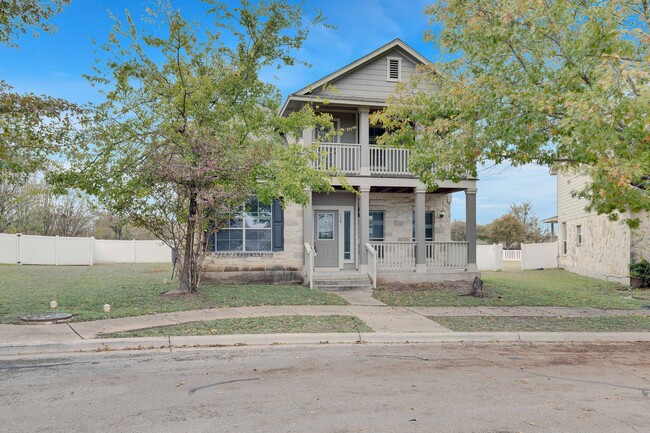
391, 325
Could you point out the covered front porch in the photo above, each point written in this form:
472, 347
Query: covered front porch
396, 233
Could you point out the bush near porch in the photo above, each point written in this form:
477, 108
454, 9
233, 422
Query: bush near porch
131, 290
548, 288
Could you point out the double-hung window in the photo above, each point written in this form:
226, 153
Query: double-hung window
249, 231
376, 226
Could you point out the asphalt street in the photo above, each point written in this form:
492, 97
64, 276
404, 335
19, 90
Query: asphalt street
477, 387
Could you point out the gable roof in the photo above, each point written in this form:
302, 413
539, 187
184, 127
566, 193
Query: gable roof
396, 43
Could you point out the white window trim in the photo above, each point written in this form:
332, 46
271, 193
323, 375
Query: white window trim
244, 215
399, 69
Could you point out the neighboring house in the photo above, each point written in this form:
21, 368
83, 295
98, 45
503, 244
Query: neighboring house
591, 244
392, 222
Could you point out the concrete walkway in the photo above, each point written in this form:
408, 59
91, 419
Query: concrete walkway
391, 325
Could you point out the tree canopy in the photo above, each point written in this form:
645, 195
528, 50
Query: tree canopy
189, 129
20, 16
548, 82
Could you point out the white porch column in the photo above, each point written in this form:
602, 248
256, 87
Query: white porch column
364, 140
364, 225
308, 221
420, 232
307, 136
470, 228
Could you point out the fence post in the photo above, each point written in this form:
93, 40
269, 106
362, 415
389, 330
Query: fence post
56, 250
92, 250
134, 254
18, 260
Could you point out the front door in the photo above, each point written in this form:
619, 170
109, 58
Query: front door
326, 238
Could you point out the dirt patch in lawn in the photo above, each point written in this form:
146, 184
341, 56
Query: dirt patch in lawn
460, 288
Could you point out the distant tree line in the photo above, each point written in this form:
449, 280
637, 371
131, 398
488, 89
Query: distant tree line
519, 225
31, 206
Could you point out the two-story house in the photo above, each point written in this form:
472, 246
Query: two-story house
590, 244
390, 229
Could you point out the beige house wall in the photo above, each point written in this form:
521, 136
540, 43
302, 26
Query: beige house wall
640, 242
398, 215
604, 252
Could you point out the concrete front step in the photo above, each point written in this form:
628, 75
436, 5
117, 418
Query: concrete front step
340, 288
342, 282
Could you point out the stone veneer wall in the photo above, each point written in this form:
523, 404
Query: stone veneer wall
281, 267
398, 215
605, 249
640, 239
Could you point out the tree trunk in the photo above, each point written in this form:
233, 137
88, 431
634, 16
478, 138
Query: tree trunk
188, 279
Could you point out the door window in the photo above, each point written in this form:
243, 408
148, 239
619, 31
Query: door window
325, 226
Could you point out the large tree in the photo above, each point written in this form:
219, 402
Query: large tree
189, 129
33, 128
534, 81
524, 213
22, 16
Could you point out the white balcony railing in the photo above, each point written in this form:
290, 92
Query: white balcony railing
346, 158
339, 156
446, 256
389, 161
395, 256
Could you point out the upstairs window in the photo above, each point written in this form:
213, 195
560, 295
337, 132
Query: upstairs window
393, 69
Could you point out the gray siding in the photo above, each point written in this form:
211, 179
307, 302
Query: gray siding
369, 81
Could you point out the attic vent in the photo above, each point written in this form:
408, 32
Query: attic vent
394, 69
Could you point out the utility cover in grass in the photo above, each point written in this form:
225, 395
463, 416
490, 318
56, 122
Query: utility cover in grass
46, 318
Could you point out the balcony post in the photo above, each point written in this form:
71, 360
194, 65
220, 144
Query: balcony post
420, 230
364, 226
364, 140
470, 228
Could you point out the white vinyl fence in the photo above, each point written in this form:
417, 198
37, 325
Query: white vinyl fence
539, 256
56, 250
489, 257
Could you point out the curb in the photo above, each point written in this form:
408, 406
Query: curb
267, 340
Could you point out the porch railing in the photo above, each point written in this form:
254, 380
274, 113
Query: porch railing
389, 161
340, 156
446, 256
395, 256
372, 264
309, 264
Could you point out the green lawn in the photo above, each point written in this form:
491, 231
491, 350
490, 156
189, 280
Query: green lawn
553, 287
545, 324
130, 290
254, 325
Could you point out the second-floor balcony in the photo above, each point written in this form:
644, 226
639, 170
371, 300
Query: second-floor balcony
350, 159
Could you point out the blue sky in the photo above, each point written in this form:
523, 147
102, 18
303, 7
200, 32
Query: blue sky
54, 64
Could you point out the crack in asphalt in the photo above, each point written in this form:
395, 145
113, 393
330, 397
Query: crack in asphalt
193, 390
